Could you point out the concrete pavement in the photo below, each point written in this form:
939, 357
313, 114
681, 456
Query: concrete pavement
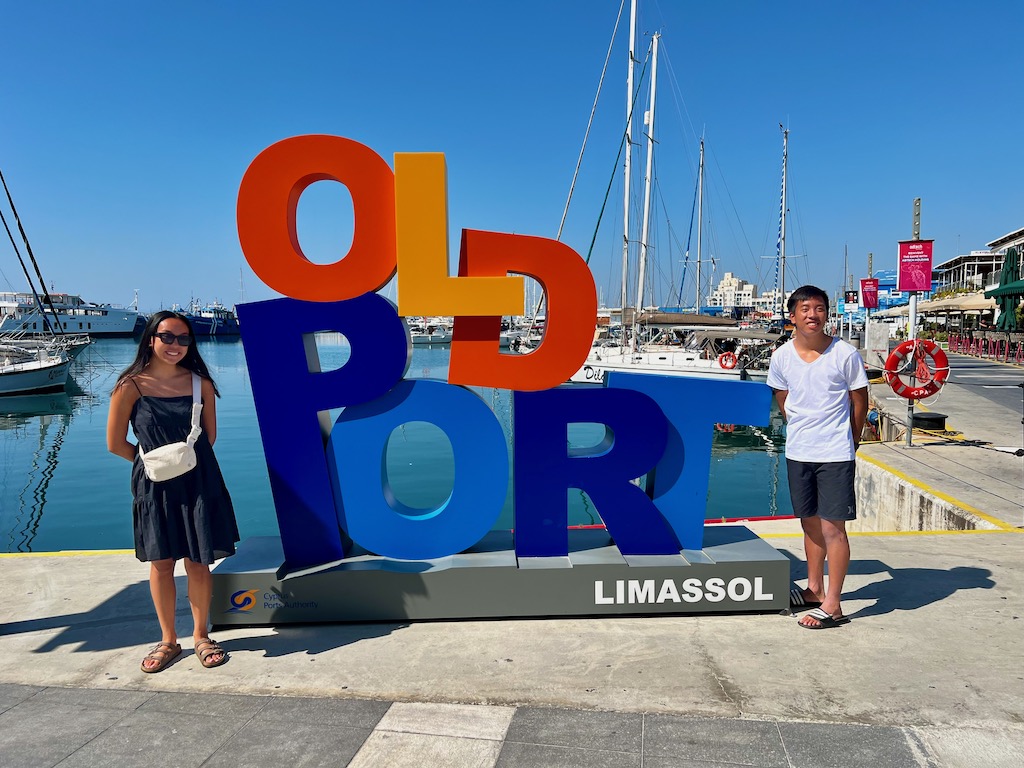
928, 672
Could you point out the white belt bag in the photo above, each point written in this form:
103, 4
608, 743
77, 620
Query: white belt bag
170, 461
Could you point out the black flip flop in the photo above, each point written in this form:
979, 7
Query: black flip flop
797, 600
827, 620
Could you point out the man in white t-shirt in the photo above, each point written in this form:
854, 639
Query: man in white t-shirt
822, 390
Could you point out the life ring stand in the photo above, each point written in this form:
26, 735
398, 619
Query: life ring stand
727, 360
910, 360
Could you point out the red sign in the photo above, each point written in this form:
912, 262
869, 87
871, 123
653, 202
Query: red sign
915, 265
869, 293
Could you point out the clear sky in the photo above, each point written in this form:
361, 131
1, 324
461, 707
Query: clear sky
125, 128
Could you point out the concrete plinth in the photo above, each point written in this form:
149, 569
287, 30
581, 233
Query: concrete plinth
735, 572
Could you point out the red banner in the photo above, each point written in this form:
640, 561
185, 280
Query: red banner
869, 293
915, 265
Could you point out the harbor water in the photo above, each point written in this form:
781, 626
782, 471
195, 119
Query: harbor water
61, 490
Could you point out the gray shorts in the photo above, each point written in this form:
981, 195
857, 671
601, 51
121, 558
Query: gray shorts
825, 489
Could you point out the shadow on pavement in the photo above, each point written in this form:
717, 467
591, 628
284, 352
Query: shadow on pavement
906, 588
127, 619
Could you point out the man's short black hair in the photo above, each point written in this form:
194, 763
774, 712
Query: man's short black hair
803, 293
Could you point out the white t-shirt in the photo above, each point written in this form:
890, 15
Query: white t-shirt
818, 400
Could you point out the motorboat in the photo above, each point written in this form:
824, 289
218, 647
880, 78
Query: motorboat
24, 370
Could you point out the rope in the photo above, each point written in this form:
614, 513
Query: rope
590, 122
31, 256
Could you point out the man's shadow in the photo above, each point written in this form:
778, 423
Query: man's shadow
906, 589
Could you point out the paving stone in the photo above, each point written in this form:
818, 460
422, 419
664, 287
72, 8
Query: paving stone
461, 720
745, 742
34, 734
610, 731
12, 694
518, 755
970, 748
93, 698
830, 745
679, 762
355, 713
389, 749
217, 704
289, 745
155, 740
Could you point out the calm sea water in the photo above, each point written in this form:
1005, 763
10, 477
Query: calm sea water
60, 489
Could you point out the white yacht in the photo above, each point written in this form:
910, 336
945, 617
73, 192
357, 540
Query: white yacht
20, 314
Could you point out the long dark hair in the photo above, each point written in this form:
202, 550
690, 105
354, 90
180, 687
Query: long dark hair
192, 360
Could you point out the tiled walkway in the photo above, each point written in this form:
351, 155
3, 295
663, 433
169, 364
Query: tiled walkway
42, 727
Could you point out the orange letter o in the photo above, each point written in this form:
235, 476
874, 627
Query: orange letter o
267, 200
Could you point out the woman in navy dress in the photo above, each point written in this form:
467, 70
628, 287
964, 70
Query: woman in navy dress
189, 517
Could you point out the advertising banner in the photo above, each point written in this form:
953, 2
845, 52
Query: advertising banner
915, 265
869, 292
850, 301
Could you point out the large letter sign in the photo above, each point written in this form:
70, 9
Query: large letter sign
329, 480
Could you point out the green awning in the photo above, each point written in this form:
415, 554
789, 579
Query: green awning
1015, 288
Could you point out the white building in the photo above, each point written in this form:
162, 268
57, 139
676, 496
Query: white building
977, 270
733, 295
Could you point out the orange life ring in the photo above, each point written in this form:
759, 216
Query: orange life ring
725, 427
922, 362
727, 360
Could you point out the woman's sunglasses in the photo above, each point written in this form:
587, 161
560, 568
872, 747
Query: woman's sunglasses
169, 338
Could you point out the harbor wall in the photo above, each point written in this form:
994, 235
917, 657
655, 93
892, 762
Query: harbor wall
888, 501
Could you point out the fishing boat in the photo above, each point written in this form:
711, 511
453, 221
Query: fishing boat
211, 319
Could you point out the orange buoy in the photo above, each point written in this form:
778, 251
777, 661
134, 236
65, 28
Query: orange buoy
920, 361
727, 360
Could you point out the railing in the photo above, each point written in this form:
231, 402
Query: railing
991, 345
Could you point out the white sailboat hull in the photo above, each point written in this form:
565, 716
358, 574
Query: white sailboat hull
659, 363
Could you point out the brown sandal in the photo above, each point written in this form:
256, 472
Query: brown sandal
205, 648
163, 654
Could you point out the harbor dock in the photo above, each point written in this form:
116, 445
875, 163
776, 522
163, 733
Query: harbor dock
927, 672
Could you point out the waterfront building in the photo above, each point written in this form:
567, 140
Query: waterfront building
978, 270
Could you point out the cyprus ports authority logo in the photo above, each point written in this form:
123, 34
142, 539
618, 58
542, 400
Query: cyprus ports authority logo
242, 601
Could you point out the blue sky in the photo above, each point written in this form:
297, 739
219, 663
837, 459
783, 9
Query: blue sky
125, 128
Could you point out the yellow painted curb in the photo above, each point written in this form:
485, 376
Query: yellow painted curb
939, 494
70, 553
895, 533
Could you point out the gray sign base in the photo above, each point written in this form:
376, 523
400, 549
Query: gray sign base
735, 572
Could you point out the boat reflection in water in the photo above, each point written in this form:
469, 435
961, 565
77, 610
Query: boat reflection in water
40, 423
747, 463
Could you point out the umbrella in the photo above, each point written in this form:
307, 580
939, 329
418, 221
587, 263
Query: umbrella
1007, 300
975, 301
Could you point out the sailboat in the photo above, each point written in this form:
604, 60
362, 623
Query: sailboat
31, 366
705, 347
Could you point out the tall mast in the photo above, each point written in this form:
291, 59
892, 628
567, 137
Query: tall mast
700, 215
645, 231
782, 226
629, 153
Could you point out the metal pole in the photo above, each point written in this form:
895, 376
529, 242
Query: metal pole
646, 223
626, 172
912, 319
